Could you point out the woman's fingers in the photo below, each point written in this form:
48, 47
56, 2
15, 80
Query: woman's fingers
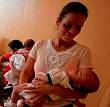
30, 91
41, 88
27, 88
36, 100
20, 87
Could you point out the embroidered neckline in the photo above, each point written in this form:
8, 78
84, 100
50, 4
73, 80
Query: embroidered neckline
60, 52
56, 58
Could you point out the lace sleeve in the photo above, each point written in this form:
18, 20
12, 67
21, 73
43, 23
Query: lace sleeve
34, 51
85, 58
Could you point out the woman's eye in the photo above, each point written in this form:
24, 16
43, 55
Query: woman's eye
78, 28
67, 26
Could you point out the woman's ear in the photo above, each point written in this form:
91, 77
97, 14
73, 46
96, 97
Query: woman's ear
57, 22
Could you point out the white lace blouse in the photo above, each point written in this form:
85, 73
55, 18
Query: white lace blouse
48, 58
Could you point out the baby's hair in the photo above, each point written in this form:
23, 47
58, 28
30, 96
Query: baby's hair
15, 44
29, 43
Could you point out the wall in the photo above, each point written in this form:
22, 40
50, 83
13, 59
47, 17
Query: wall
22, 19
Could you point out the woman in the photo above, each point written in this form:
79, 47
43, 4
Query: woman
61, 52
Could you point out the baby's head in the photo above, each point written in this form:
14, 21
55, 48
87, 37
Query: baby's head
14, 45
29, 43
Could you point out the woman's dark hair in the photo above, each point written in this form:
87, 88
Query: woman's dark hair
15, 45
29, 43
74, 7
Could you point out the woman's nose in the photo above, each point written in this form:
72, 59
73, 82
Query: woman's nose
73, 30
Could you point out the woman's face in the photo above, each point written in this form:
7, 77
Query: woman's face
70, 26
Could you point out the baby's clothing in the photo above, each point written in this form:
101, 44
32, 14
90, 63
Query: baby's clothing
18, 61
58, 76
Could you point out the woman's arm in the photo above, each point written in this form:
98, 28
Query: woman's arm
67, 93
46, 89
27, 73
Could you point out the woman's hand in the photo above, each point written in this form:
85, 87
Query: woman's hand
39, 87
36, 101
38, 92
20, 87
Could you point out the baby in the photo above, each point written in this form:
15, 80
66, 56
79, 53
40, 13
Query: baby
18, 61
54, 76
